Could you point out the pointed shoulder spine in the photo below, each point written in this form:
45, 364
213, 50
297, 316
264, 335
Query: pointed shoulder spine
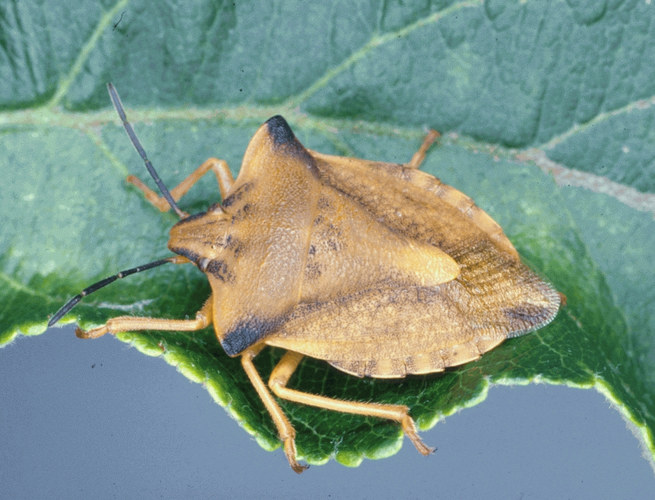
279, 130
285, 142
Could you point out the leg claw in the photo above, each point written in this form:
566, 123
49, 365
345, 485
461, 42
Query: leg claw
91, 334
290, 452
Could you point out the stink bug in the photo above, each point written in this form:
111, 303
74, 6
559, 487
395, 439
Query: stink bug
377, 268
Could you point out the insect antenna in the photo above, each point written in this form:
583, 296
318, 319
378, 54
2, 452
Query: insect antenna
104, 282
118, 105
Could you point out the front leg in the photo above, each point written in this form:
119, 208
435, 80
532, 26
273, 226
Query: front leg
132, 323
284, 428
219, 167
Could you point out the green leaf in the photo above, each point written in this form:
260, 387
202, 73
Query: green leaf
547, 109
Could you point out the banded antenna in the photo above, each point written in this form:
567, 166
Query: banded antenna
104, 282
116, 101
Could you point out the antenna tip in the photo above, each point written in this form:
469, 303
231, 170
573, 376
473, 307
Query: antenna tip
54, 320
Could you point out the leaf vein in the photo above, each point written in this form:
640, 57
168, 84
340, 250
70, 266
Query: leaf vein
67, 80
374, 42
23, 288
564, 176
577, 128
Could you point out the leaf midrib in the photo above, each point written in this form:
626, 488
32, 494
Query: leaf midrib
88, 122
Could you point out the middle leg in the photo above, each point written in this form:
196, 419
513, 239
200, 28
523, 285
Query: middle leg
284, 428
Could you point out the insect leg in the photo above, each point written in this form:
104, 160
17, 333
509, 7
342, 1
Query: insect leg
132, 323
419, 156
400, 413
219, 167
284, 428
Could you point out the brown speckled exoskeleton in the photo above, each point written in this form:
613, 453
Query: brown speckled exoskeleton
377, 268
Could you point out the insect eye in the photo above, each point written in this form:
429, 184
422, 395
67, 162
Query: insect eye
202, 264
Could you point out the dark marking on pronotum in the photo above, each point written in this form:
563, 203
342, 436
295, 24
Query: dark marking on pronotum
242, 213
219, 269
323, 203
237, 195
285, 141
234, 244
246, 334
333, 245
280, 131
312, 271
